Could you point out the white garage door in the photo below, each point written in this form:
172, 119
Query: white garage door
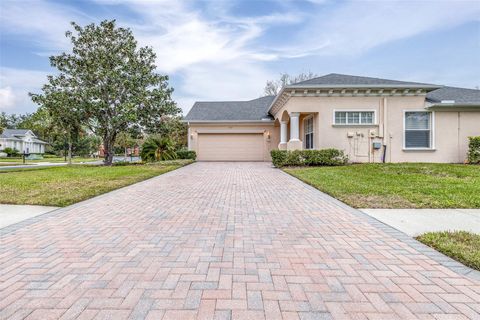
230, 147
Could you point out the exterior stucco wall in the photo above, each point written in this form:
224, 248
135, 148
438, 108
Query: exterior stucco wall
327, 135
469, 126
271, 130
450, 128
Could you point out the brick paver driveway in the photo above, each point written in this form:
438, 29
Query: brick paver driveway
221, 240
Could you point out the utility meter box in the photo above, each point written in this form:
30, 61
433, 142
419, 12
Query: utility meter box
377, 145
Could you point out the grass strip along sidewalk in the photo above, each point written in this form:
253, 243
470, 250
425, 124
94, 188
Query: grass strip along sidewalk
459, 245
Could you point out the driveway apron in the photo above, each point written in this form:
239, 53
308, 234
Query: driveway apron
223, 241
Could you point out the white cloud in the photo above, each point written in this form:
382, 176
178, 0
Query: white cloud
214, 56
211, 81
7, 98
358, 26
16, 85
42, 22
182, 36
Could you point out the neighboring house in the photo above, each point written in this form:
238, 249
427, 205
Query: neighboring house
23, 140
371, 119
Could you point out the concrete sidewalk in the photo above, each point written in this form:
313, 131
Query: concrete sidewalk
34, 165
10, 214
417, 221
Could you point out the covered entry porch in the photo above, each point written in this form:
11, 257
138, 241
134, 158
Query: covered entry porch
297, 130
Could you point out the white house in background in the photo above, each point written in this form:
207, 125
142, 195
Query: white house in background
23, 140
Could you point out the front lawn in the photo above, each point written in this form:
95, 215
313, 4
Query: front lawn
62, 186
459, 245
409, 185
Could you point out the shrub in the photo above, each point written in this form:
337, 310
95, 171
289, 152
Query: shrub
186, 154
126, 163
157, 149
11, 152
474, 150
279, 157
295, 158
324, 157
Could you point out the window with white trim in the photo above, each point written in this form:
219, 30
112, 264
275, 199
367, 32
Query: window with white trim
418, 130
354, 117
308, 128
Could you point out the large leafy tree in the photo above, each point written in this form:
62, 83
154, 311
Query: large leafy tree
63, 107
110, 83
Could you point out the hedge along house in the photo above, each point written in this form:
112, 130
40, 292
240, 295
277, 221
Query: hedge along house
370, 119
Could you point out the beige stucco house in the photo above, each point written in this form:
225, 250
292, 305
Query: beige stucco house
370, 119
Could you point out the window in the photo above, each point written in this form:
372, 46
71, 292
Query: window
354, 117
308, 128
418, 130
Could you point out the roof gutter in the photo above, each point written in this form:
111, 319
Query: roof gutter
472, 106
228, 121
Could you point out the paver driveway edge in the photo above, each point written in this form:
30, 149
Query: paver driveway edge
399, 235
14, 227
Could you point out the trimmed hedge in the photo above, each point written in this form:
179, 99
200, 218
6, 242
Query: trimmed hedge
324, 157
474, 150
186, 154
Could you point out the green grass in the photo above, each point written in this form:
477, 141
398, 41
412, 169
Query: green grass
412, 185
62, 186
13, 161
459, 245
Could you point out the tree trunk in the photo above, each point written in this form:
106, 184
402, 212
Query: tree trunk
69, 152
65, 150
108, 143
125, 149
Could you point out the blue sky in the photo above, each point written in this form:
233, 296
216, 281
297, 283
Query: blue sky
227, 49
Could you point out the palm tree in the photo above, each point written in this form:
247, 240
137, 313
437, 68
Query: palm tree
158, 149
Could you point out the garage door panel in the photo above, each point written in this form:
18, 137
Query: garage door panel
230, 147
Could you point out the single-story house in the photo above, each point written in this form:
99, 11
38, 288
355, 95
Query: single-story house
370, 119
22, 140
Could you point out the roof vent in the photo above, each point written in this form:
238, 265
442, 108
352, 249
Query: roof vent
447, 101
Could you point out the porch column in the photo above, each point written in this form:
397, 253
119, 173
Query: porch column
294, 143
283, 135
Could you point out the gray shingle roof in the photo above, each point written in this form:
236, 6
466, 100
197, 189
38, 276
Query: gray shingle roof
459, 96
253, 110
335, 79
11, 133
16, 134
257, 109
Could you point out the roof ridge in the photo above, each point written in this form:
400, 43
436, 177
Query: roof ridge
346, 76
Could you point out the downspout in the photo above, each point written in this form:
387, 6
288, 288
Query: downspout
460, 160
188, 136
386, 135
